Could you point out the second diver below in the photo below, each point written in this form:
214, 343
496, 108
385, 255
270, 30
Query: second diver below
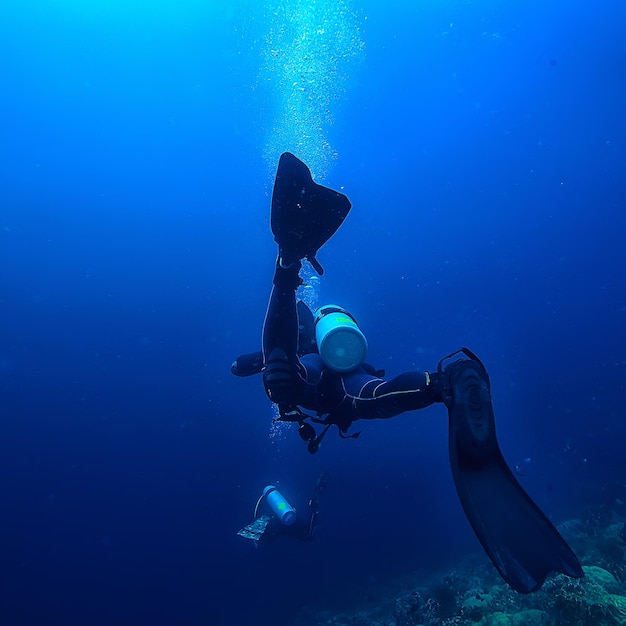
275, 517
317, 363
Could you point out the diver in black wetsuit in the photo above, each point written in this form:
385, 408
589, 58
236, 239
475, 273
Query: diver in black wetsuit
334, 382
328, 375
280, 519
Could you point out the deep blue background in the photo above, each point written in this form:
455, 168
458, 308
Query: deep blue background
483, 147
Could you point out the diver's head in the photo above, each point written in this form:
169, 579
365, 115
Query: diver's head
341, 344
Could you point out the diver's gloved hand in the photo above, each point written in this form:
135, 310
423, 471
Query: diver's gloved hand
281, 382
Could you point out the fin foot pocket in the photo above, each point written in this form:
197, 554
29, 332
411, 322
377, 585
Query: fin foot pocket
469, 399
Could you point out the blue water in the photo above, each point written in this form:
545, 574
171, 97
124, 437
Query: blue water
483, 147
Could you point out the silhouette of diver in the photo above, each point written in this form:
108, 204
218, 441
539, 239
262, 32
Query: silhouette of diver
319, 365
280, 519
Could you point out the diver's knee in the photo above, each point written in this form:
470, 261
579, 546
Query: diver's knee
279, 378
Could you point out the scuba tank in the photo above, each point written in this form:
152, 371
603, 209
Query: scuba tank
280, 507
341, 344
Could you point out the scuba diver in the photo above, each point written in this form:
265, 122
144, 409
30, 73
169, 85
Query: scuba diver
281, 519
316, 363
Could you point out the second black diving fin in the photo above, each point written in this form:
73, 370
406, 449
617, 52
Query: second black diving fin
304, 215
519, 539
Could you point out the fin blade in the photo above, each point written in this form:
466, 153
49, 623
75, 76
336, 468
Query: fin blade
520, 540
304, 215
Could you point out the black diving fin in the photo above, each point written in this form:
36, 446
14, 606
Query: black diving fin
519, 539
304, 215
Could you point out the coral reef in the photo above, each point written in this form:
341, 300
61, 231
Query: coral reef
472, 595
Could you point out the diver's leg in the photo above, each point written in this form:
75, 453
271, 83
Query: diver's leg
280, 328
280, 336
314, 504
375, 398
304, 216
